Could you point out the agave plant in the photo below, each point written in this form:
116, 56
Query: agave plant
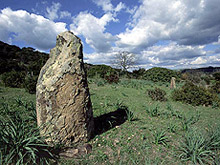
129, 115
196, 148
21, 144
153, 112
160, 137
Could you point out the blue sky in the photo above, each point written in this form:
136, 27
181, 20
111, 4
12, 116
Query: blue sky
166, 33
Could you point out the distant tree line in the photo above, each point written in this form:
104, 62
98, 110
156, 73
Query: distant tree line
20, 67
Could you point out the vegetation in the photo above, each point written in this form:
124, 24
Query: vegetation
157, 94
164, 126
199, 147
99, 71
20, 67
125, 60
130, 128
13, 79
160, 74
20, 140
195, 95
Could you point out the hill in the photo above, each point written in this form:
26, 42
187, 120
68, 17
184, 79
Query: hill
25, 59
206, 70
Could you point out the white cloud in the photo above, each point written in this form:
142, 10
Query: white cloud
119, 7
199, 60
171, 55
34, 29
99, 58
107, 6
65, 14
184, 21
93, 29
52, 11
207, 61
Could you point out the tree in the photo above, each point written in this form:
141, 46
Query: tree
124, 60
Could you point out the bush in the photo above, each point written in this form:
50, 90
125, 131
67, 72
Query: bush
112, 78
216, 87
30, 83
160, 75
13, 79
217, 76
138, 74
195, 78
192, 94
99, 71
157, 94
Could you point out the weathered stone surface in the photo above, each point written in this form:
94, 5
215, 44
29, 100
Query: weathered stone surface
63, 104
173, 83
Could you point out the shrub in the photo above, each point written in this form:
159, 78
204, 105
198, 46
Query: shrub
157, 94
30, 83
112, 78
216, 87
192, 94
99, 71
160, 75
195, 78
138, 74
217, 76
13, 79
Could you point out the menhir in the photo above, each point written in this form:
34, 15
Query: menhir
63, 105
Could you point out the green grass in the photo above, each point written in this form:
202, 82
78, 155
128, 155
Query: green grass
138, 139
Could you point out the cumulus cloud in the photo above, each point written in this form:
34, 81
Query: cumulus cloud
99, 58
207, 61
171, 55
185, 22
199, 61
93, 29
34, 29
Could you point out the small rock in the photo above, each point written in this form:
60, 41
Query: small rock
76, 152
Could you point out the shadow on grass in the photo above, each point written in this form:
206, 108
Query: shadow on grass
110, 120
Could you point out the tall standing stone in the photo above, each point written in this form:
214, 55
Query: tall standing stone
63, 104
173, 83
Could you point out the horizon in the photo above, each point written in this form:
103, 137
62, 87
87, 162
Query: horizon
170, 34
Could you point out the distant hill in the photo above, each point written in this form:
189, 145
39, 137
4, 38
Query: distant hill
207, 70
25, 59
28, 60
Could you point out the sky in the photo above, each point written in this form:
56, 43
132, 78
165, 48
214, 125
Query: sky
174, 34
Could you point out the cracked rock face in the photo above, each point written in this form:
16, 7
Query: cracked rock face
64, 110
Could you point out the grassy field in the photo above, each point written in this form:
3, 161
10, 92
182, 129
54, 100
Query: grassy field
147, 132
